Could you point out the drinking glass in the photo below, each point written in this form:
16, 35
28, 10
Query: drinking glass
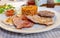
40, 2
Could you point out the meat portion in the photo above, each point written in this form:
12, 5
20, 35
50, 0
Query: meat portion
40, 20
21, 22
46, 13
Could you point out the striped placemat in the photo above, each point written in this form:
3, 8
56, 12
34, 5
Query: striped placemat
55, 33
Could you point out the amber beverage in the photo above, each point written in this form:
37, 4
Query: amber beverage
31, 2
50, 3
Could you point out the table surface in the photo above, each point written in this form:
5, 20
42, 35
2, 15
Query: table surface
55, 33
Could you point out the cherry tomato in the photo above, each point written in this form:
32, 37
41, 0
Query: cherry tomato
10, 12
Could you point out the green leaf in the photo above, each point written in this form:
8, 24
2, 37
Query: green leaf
1, 10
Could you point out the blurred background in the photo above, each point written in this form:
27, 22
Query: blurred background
47, 3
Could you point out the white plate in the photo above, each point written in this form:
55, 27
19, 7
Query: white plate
36, 28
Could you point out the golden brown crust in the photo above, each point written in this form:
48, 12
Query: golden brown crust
29, 10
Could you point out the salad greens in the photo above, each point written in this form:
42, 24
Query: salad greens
5, 7
1, 10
